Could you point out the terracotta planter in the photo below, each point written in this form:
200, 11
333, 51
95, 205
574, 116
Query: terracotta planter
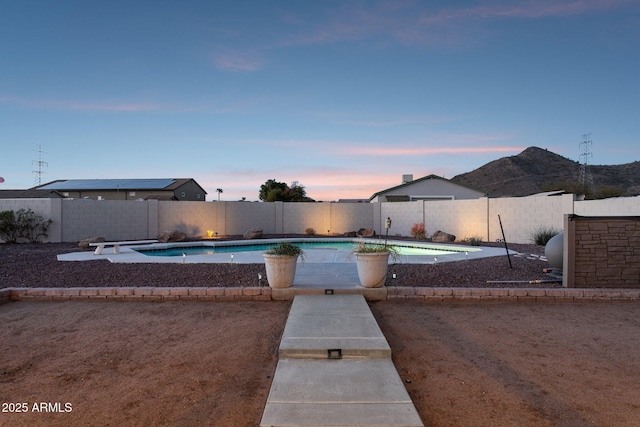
281, 270
372, 268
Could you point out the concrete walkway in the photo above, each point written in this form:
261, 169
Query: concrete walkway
335, 369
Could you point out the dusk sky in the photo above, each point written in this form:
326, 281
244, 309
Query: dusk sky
342, 96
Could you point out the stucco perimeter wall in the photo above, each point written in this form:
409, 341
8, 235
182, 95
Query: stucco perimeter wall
619, 206
76, 219
462, 218
324, 218
191, 218
403, 215
235, 218
522, 216
111, 219
601, 252
352, 217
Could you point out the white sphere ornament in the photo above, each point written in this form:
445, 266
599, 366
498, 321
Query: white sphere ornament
553, 251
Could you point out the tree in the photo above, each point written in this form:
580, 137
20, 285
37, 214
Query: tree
274, 188
297, 193
274, 191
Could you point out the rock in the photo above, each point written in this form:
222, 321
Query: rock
85, 244
253, 233
351, 234
366, 232
172, 236
442, 237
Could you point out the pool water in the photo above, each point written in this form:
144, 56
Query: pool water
345, 246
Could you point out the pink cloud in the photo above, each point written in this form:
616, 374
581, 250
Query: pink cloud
425, 151
532, 9
412, 22
398, 122
79, 105
234, 61
114, 107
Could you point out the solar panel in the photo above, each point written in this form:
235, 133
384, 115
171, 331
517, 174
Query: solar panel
109, 184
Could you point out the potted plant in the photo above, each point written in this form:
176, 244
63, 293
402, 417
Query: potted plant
280, 263
372, 261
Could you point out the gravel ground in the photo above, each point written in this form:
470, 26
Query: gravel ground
36, 265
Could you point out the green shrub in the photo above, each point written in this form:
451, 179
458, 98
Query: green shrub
541, 235
285, 248
24, 223
473, 241
371, 248
9, 230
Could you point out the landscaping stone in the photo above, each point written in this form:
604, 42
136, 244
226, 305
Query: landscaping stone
86, 243
172, 236
442, 237
253, 233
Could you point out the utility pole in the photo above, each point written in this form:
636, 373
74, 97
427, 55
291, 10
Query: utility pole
39, 164
585, 178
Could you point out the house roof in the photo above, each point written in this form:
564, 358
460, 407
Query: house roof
432, 176
29, 194
116, 184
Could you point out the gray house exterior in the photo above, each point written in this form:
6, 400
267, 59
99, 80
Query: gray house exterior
430, 187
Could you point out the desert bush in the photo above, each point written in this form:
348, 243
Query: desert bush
9, 230
418, 232
24, 223
473, 241
310, 231
285, 249
541, 235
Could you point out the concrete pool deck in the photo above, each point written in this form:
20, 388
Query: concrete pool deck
312, 256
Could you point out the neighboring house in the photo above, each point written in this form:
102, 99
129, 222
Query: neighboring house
30, 194
128, 189
430, 187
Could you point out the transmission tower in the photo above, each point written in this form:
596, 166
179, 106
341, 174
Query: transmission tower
585, 178
40, 164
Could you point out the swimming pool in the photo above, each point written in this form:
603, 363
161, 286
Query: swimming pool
317, 251
233, 247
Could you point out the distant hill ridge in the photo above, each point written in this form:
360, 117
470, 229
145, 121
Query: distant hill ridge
536, 170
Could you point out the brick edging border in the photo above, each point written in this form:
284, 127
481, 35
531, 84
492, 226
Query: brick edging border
513, 294
265, 294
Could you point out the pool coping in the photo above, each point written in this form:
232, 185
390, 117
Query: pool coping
320, 255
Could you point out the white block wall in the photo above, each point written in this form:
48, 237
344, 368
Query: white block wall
619, 206
522, 216
403, 215
345, 217
242, 216
111, 219
76, 219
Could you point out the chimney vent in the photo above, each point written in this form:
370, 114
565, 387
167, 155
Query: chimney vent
407, 178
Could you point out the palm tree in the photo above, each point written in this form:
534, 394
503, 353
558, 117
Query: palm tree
219, 190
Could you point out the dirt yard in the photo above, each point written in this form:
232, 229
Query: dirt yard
507, 364
197, 363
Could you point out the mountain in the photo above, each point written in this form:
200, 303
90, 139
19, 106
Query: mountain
536, 170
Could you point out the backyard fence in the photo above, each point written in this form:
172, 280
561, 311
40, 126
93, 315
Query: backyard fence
77, 219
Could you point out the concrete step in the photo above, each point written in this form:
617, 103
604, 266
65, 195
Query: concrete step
335, 369
323, 326
346, 392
